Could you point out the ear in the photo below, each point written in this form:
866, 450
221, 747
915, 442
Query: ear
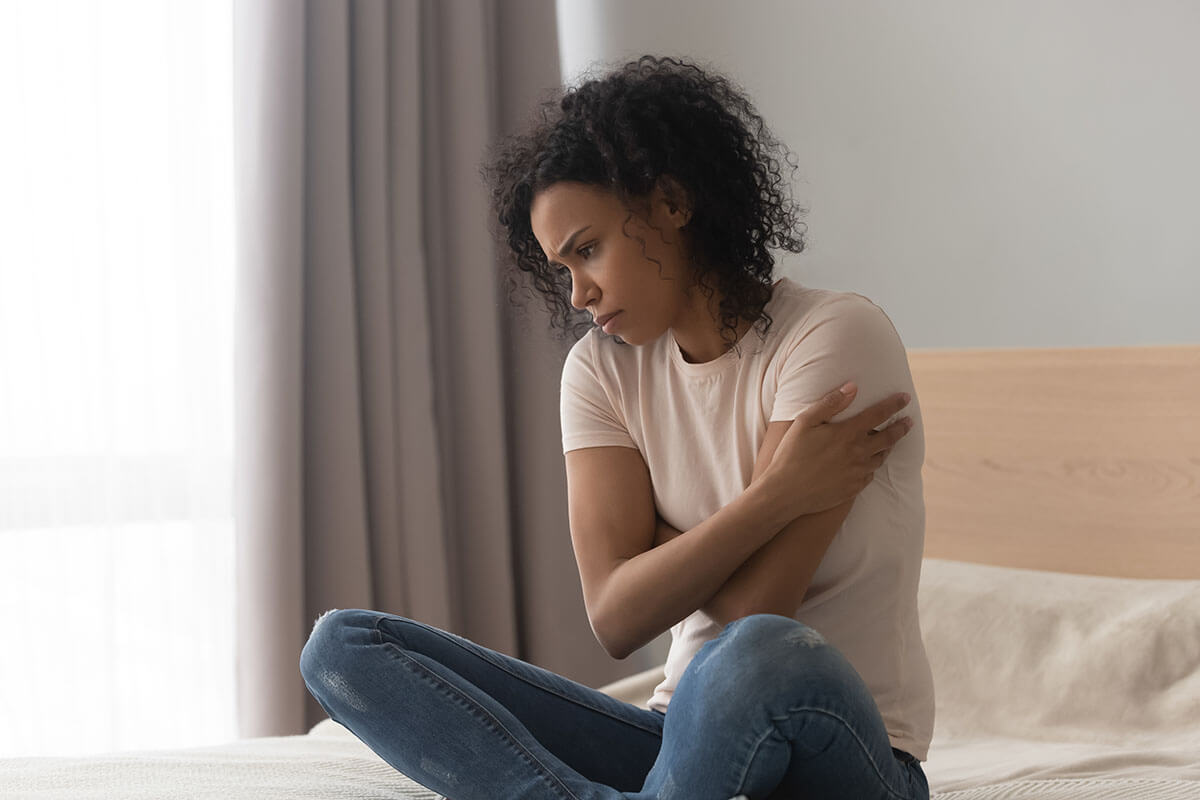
673, 199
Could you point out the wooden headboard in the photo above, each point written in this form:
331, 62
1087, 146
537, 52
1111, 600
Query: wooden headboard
1079, 460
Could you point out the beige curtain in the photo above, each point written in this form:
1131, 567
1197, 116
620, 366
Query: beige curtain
396, 434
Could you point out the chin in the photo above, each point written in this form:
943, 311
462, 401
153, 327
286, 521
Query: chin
626, 336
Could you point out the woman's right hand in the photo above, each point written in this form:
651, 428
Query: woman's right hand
821, 464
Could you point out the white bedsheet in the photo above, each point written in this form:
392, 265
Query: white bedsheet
328, 763
331, 763
987, 769
1049, 687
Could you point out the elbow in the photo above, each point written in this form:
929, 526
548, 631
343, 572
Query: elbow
612, 638
620, 654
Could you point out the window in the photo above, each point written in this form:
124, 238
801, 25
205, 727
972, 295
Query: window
116, 365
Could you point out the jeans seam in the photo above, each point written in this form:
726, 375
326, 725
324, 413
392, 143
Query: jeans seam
750, 760
487, 717
521, 678
866, 751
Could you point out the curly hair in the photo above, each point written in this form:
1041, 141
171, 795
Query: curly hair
649, 120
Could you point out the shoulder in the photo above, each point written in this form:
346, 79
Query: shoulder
853, 312
813, 315
600, 360
607, 357
844, 336
580, 363
581, 351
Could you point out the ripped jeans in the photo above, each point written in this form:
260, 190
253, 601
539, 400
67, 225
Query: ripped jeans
767, 709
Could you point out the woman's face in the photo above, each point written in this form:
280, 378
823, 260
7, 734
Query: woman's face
614, 257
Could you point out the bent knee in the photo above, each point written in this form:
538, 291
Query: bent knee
322, 617
766, 630
760, 656
332, 632
769, 648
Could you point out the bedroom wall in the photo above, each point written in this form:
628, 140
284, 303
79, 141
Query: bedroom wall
992, 174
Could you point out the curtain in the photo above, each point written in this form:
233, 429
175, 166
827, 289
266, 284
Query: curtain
397, 439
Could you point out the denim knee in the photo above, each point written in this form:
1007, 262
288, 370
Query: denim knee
761, 652
328, 638
329, 660
758, 633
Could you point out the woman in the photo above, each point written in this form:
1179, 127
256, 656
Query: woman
728, 480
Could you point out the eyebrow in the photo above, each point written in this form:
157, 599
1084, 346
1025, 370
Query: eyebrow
569, 243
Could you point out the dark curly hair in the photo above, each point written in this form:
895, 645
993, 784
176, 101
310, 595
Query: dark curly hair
649, 120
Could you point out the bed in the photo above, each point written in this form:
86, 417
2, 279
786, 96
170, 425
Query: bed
1059, 601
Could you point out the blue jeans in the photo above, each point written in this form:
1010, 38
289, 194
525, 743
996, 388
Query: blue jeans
767, 709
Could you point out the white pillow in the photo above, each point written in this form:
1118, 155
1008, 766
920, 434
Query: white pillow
1059, 657
638, 688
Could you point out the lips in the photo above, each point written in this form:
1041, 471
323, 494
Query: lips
601, 320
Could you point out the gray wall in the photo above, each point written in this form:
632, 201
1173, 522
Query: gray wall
1002, 174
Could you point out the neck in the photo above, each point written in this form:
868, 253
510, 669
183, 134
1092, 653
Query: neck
702, 343
713, 346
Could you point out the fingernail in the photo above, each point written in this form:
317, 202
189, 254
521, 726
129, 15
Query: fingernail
906, 396
848, 387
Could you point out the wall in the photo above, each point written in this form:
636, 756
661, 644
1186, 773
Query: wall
992, 174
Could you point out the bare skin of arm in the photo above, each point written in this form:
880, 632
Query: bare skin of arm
643, 595
798, 548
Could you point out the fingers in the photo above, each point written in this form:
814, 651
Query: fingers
881, 412
886, 438
881, 442
828, 406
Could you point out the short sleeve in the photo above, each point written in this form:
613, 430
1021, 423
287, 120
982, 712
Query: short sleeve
587, 409
845, 339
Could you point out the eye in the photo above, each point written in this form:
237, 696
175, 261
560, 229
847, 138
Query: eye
589, 248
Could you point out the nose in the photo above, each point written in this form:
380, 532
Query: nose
580, 291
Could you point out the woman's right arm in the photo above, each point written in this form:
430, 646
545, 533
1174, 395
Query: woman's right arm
632, 590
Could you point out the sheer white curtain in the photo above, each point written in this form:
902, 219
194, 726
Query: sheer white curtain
116, 298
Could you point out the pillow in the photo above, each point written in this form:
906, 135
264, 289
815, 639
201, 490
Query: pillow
1060, 657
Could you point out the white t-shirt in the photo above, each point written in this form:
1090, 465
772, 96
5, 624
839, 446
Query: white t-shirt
699, 428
